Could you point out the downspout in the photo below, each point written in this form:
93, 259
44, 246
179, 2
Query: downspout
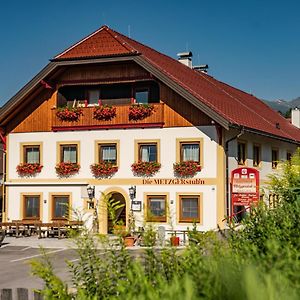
227, 170
3, 140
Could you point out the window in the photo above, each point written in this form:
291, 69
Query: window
288, 156
274, 158
142, 96
148, 152
156, 208
60, 209
108, 153
189, 208
190, 152
93, 96
256, 155
31, 154
31, 207
68, 153
241, 153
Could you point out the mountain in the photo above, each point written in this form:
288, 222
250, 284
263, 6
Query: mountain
282, 105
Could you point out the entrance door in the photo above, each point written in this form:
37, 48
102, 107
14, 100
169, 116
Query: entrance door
117, 200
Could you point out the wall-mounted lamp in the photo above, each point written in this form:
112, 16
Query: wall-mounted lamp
132, 192
91, 192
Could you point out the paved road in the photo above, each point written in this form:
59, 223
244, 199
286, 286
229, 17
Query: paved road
15, 270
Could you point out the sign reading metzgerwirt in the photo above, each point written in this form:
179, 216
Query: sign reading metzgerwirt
244, 186
170, 181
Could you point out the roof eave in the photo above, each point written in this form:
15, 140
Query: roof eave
263, 133
181, 91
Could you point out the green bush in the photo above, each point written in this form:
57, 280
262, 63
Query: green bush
260, 261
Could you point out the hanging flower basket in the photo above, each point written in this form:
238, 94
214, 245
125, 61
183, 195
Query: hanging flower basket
103, 169
140, 111
143, 168
26, 169
104, 112
65, 169
186, 168
69, 114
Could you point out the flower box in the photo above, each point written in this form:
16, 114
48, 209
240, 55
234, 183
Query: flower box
104, 112
69, 114
26, 169
65, 169
103, 169
140, 111
186, 168
143, 168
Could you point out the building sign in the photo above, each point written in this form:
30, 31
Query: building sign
136, 205
244, 186
171, 181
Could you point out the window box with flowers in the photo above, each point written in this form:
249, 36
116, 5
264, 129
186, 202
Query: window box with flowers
103, 169
66, 169
104, 112
69, 114
140, 111
29, 169
145, 168
186, 168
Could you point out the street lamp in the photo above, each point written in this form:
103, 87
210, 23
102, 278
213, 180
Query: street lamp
132, 192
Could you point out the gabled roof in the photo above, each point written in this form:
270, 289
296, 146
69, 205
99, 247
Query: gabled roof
225, 104
237, 107
102, 42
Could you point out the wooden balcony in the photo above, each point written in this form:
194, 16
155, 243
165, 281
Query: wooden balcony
121, 120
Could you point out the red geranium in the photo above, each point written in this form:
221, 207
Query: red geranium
66, 169
145, 168
103, 169
26, 169
186, 168
140, 111
104, 112
69, 114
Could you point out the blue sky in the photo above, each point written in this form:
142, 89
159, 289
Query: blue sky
252, 45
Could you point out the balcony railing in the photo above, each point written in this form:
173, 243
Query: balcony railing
121, 120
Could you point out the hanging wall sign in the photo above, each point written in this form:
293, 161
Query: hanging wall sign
136, 205
244, 186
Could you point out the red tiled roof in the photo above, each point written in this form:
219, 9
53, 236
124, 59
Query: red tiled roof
100, 43
234, 105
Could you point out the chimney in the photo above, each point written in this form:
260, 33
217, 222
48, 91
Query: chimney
296, 117
201, 68
185, 58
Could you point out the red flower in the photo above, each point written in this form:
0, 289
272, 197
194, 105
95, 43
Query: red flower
140, 111
26, 169
104, 112
144, 168
65, 169
186, 168
69, 114
103, 169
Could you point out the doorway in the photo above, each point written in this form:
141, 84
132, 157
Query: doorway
117, 201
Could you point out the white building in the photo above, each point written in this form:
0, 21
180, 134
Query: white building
193, 118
